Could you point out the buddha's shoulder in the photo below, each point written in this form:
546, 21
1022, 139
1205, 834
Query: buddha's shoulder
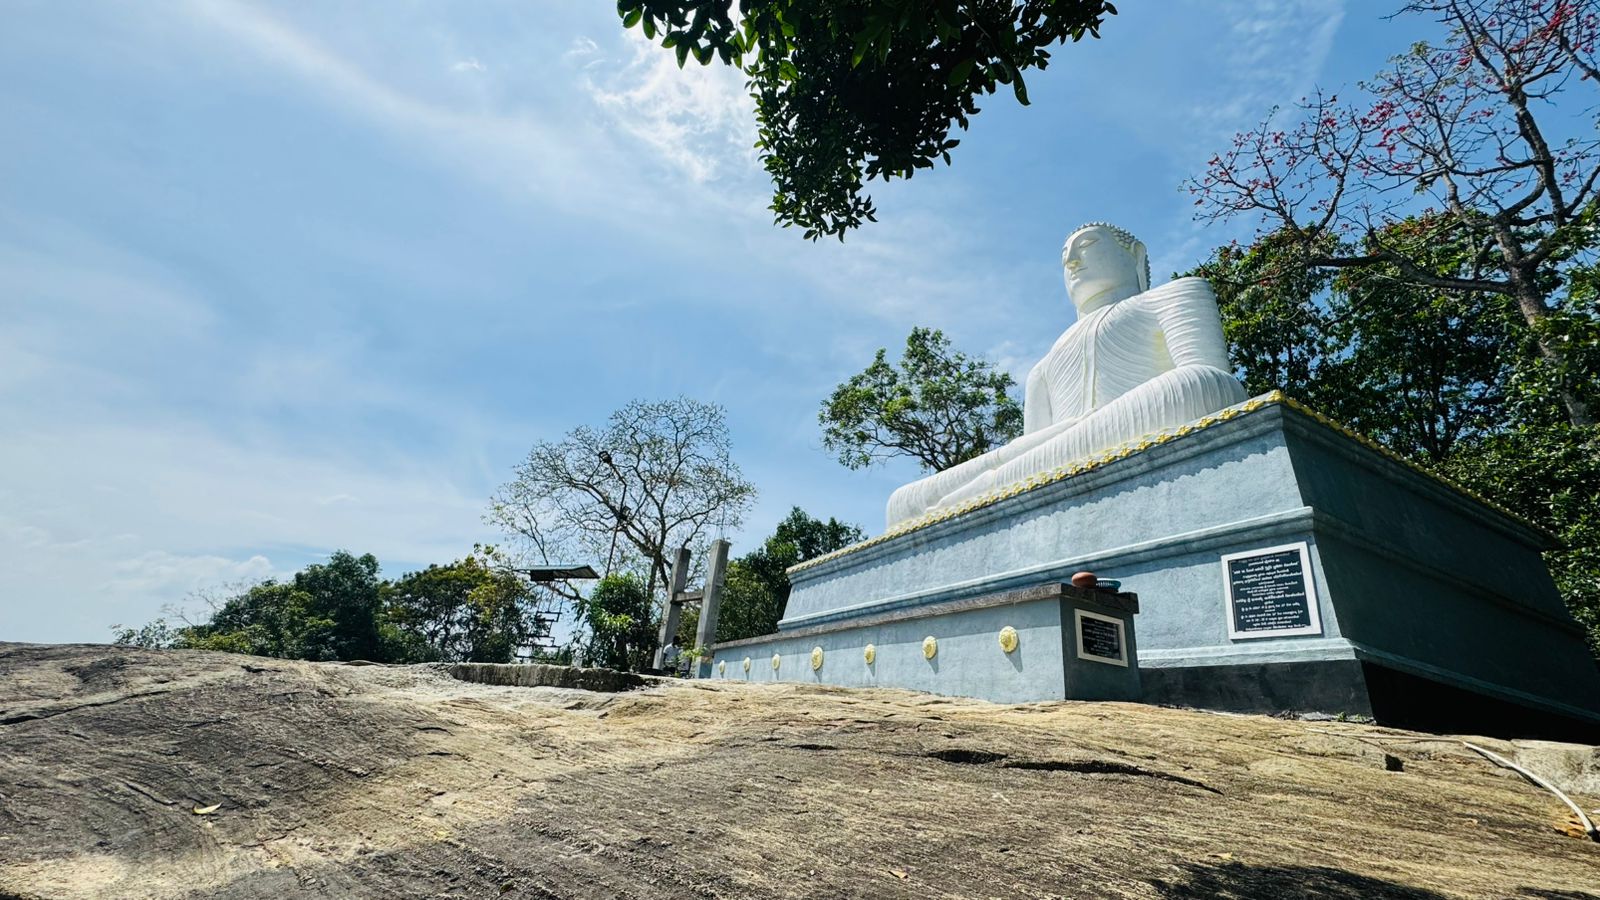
1189, 287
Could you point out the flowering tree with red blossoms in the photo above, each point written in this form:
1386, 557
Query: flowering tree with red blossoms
1464, 144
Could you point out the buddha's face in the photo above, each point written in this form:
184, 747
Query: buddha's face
1097, 269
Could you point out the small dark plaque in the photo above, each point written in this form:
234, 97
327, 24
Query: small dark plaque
1100, 638
1269, 593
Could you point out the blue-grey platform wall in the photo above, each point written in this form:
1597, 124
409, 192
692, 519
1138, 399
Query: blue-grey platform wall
970, 662
1408, 572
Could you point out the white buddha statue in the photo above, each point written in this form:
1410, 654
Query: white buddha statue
1136, 362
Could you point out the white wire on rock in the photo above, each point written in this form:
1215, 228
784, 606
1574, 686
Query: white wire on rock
1588, 826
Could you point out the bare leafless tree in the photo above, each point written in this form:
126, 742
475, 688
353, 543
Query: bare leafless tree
1465, 137
656, 477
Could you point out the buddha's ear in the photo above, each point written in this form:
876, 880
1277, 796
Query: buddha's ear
1141, 264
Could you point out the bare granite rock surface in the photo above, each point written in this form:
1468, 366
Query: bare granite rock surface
375, 781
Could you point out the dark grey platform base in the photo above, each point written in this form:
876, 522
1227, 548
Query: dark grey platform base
1390, 697
1330, 686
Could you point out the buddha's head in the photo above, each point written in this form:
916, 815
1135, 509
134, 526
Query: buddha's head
1103, 264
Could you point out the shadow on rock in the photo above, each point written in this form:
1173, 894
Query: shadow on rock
1245, 882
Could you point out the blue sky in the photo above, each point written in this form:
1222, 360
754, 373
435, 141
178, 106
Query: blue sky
277, 279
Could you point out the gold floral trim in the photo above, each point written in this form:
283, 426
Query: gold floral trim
1124, 451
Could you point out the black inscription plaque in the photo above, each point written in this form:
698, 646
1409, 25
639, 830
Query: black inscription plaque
1100, 638
1270, 593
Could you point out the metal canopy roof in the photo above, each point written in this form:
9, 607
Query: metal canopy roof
561, 573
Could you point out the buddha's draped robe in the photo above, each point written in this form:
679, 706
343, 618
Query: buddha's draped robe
1120, 373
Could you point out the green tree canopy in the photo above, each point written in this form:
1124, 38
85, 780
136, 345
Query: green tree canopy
619, 623
1417, 367
749, 608
937, 406
1482, 142
1549, 472
472, 610
267, 619
851, 91
326, 611
1455, 379
475, 609
757, 587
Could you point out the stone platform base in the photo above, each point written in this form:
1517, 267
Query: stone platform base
967, 656
1421, 605
1357, 688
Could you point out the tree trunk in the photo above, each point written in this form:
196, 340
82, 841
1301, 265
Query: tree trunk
1534, 311
1531, 303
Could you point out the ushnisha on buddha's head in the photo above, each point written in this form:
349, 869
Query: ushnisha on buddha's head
1103, 264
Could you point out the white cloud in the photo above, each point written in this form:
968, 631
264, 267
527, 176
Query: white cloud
114, 522
468, 65
173, 575
510, 149
1272, 55
120, 497
540, 141
699, 119
696, 122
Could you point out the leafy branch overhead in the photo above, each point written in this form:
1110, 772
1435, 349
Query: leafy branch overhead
851, 91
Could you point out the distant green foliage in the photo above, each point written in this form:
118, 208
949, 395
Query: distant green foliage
327, 611
749, 607
1540, 383
474, 609
757, 586
620, 621
471, 610
1455, 379
848, 92
1551, 474
1415, 367
156, 635
937, 406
